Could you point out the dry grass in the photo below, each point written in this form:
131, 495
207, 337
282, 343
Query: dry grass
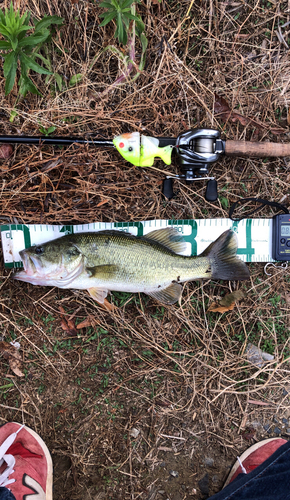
166, 371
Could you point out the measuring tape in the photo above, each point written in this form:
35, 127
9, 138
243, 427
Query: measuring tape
254, 235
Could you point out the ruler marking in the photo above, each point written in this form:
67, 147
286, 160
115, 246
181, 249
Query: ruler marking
253, 235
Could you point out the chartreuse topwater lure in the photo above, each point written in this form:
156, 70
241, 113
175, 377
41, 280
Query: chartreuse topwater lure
141, 151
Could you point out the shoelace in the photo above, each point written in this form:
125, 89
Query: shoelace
241, 465
8, 459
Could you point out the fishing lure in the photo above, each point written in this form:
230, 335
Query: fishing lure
141, 150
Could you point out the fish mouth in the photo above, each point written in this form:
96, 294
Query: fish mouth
31, 263
32, 268
37, 272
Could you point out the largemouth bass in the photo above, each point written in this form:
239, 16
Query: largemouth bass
113, 260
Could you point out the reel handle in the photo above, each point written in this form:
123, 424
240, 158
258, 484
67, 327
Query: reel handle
211, 193
167, 188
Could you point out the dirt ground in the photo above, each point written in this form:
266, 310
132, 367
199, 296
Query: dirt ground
148, 401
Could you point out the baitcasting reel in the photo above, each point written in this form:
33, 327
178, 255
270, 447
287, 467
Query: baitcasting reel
195, 151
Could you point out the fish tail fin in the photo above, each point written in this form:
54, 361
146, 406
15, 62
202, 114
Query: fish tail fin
165, 154
224, 263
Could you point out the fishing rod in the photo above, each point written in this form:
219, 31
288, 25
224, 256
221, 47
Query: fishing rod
194, 151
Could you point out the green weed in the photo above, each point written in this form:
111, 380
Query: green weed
128, 24
121, 13
23, 49
41, 388
46, 131
48, 319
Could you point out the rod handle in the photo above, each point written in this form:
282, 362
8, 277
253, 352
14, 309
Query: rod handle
258, 149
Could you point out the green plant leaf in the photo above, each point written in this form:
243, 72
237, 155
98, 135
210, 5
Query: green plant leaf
23, 33
4, 31
5, 45
59, 81
75, 79
26, 18
10, 62
13, 115
34, 40
130, 16
124, 11
126, 23
108, 18
44, 59
47, 21
144, 42
140, 27
114, 4
120, 32
107, 5
14, 43
10, 12
10, 79
46, 131
31, 64
20, 29
26, 85
126, 3
14, 29
21, 36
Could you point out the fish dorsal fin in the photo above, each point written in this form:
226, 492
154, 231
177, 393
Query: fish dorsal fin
104, 272
98, 294
168, 295
169, 237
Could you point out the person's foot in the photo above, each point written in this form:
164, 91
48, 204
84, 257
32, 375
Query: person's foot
25, 463
254, 456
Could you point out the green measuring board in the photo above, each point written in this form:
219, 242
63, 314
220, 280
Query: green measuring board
254, 235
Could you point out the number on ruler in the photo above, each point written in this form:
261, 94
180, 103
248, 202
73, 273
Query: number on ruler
248, 251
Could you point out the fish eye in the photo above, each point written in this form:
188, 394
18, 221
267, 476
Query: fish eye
38, 250
130, 148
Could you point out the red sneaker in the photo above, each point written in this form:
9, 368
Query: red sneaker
25, 463
254, 456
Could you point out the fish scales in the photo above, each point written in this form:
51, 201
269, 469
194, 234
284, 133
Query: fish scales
147, 261
113, 260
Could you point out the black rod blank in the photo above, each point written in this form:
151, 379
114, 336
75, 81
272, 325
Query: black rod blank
56, 141
67, 141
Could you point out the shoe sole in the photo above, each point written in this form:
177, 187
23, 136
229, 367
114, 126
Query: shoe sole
48, 489
245, 455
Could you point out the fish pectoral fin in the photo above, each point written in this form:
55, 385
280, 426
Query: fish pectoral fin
168, 295
98, 294
102, 272
169, 237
